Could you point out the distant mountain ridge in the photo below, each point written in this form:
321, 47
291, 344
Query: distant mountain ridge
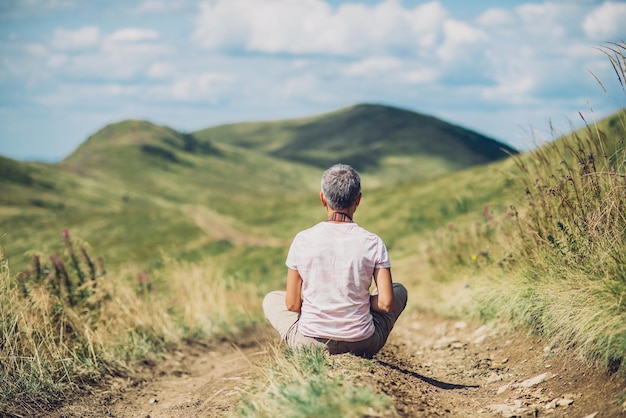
387, 143
363, 136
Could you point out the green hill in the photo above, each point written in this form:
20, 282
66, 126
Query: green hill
141, 158
135, 190
393, 143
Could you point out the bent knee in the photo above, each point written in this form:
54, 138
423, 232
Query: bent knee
400, 294
273, 299
400, 290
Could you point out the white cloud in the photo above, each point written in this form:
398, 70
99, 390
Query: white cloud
404, 45
385, 27
496, 17
534, 52
293, 27
35, 49
461, 39
222, 25
160, 70
426, 23
549, 24
208, 80
57, 60
120, 90
373, 66
511, 90
87, 37
110, 65
206, 87
89, 53
419, 76
133, 35
115, 61
607, 22
313, 27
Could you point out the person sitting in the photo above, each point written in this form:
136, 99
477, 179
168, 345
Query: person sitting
330, 270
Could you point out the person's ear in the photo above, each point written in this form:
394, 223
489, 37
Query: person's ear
323, 199
358, 199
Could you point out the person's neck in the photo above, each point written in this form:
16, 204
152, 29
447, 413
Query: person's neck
340, 216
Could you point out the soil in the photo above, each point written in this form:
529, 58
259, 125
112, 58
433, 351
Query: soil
430, 367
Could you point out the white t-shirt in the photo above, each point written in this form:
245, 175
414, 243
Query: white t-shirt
336, 262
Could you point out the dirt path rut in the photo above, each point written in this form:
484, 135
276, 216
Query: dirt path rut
439, 367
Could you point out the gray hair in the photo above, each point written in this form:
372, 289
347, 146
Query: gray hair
341, 186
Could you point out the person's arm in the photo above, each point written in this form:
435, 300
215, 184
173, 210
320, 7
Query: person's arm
383, 300
293, 299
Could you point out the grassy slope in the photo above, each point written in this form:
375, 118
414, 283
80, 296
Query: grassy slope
128, 202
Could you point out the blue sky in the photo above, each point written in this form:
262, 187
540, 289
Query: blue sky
506, 69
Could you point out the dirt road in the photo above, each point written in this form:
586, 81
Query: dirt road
431, 366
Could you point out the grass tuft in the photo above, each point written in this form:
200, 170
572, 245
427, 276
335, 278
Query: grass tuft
310, 383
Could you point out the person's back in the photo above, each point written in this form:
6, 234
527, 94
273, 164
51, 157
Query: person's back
330, 270
336, 263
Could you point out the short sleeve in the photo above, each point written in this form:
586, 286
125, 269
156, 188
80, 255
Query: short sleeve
382, 256
292, 261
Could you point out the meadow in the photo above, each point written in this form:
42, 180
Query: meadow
99, 272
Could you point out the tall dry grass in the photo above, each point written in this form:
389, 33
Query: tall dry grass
560, 268
572, 243
57, 334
